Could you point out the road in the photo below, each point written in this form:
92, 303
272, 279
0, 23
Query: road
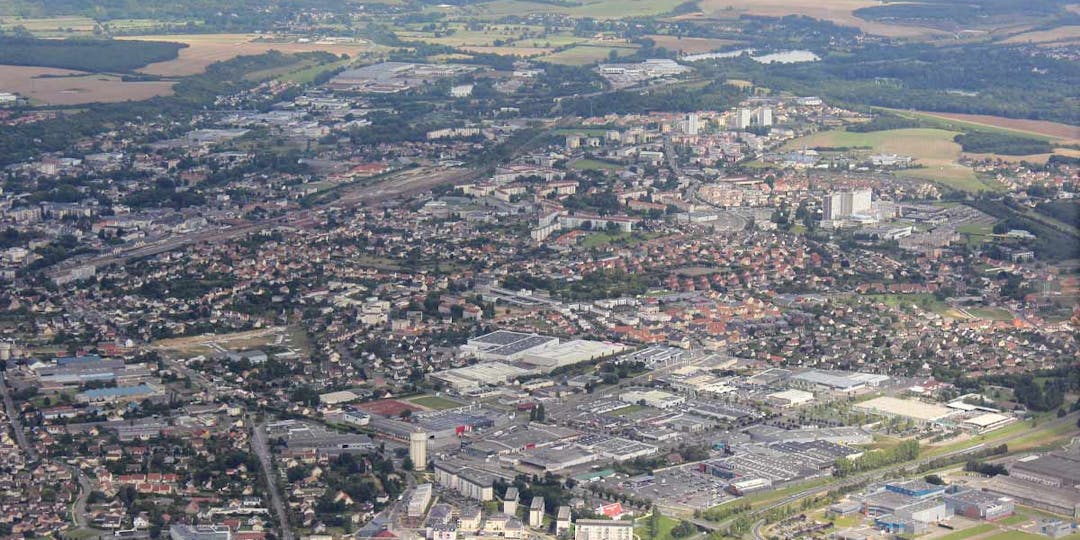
262, 450
16, 423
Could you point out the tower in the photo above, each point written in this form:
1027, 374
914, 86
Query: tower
418, 449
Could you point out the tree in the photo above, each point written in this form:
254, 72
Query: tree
654, 522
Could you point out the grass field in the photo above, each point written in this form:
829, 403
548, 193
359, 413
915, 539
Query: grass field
597, 9
76, 26
53, 86
205, 49
1039, 129
933, 149
1015, 519
629, 409
690, 45
1069, 34
968, 533
435, 402
587, 54
838, 11
1016, 535
641, 529
594, 165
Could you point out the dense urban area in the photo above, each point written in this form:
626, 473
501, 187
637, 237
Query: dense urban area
539, 270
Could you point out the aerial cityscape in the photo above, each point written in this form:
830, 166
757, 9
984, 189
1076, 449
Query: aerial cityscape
539, 269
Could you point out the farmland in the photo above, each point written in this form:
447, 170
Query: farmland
934, 149
838, 11
598, 9
53, 86
690, 45
205, 49
587, 54
1061, 35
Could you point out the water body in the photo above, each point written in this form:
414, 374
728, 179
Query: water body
787, 57
782, 57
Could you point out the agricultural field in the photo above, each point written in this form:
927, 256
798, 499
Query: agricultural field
838, 11
509, 39
1062, 35
597, 9
76, 26
583, 55
205, 49
934, 149
52, 86
690, 45
1052, 131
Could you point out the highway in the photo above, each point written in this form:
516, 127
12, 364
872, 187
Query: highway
16, 424
262, 450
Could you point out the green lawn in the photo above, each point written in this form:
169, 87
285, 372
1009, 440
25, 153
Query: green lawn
991, 314
629, 409
925, 301
1017, 535
435, 402
1015, 519
594, 165
641, 528
968, 533
933, 149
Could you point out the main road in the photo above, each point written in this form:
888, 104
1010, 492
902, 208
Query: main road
262, 450
13, 417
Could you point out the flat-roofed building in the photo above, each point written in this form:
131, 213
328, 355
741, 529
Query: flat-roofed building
790, 398
979, 504
912, 409
603, 529
536, 513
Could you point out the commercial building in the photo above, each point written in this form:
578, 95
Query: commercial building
199, 532
979, 504
118, 394
302, 437
652, 398
602, 529
790, 398
912, 409
571, 352
1055, 469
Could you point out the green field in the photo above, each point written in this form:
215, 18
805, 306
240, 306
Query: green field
594, 165
435, 402
968, 533
933, 149
629, 409
598, 9
582, 55
1015, 519
641, 528
991, 314
924, 301
1017, 535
